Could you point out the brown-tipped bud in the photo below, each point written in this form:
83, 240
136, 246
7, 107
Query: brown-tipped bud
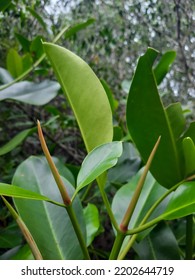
56, 175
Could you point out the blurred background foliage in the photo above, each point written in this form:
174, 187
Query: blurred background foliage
113, 35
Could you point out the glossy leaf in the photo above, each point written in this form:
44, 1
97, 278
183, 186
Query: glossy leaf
30, 92
15, 141
189, 155
92, 222
17, 192
160, 244
163, 66
85, 93
176, 119
147, 120
182, 202
77, 27
127, 165
14, 63
151, 192
49, 224
97, 161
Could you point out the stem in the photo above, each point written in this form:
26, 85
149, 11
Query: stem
25, 231
117, 245
84, 196
189, 237
107, 204
56, 175
151, 210
133, 202
145, 226
64, 194
24, 74
78, 231
128, 247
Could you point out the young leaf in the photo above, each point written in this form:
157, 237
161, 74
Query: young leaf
85, 93
97, 161
147, 119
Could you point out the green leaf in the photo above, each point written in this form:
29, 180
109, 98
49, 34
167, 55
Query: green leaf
92, 222
15, 141
49, 224
64, 171
127, 165
38, 17
5, 76
17, 192
31, 93
161, 244
85, 93
27, 62
182, 202
25, 231
113, 102
10, 236
151, 192
190, 132
36, 47
77, 27
4, 4
163, 66
14, 63
176, 119
147, 120
189, 154
24, 42
97, 161
18, 253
